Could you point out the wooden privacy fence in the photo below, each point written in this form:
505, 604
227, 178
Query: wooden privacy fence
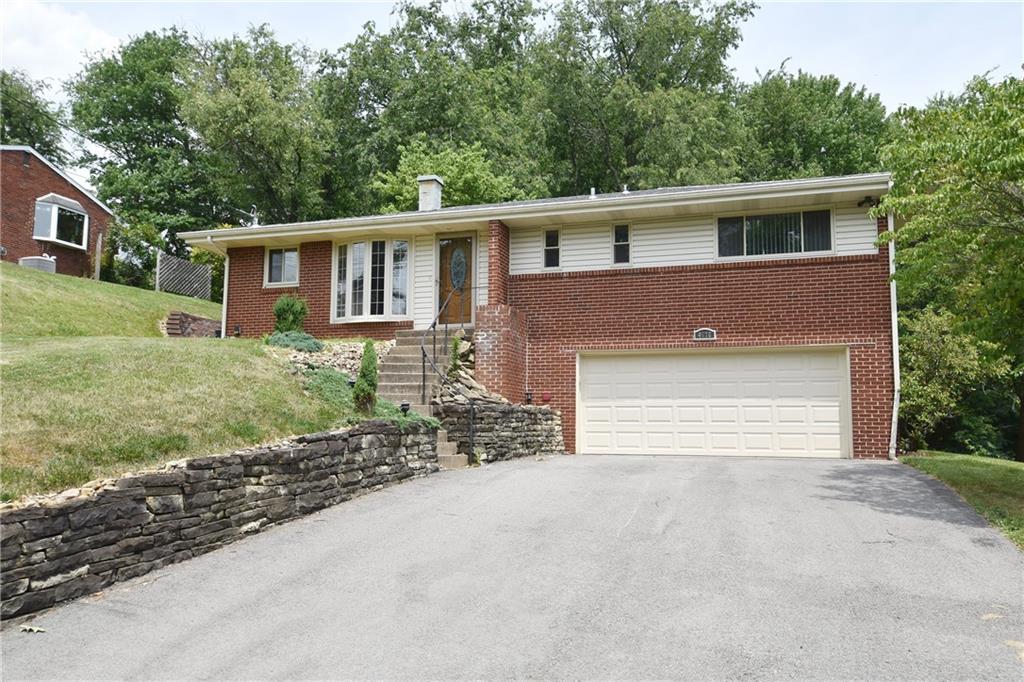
180, 276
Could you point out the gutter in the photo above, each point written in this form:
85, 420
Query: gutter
546, 208
895, 339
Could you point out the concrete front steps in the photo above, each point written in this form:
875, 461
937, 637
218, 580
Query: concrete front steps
401, 380
447, 457
401, 375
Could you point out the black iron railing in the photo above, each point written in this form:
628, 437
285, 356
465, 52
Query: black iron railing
429, 360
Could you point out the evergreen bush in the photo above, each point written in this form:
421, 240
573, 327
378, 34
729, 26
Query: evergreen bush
364, 393
290, 313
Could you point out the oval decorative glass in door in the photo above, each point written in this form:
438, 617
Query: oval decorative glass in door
457, 268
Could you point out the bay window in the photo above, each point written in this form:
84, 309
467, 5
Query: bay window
371, 279
775, 234
61, 220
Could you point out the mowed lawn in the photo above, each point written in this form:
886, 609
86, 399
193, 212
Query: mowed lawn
75, 409
35, 304
994, 487
87, 391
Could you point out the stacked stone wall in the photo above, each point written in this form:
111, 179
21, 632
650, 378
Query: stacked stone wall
59, 547
503, 431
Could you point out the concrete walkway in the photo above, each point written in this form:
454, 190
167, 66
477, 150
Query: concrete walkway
581, 567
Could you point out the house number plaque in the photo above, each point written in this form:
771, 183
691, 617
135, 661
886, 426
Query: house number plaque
704, 334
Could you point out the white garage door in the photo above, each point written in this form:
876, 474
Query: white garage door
766, 403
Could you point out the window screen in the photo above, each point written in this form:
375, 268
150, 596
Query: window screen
551, 248
283, 266
620, 247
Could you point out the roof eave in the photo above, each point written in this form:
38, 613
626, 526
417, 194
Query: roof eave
865, 182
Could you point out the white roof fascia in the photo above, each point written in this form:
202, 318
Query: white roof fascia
80, 187
547, 208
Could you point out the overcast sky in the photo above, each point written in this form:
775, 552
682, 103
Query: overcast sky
906, 52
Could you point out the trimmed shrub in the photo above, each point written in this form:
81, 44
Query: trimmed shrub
290, 313
297, 340
364, 393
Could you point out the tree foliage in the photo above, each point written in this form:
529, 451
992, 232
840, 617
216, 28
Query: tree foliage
28, 118
250, 100
805, 126
155, 170
958, 188
469, 177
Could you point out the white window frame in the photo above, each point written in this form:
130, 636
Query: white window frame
628, 242
267, 284
389, 265
778, 256
544, 249
55, 210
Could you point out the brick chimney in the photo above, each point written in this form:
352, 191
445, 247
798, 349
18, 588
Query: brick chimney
430, 192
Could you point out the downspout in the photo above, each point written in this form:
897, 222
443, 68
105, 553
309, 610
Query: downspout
895, 338
224, 294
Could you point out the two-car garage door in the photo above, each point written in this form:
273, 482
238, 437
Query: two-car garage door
765, 403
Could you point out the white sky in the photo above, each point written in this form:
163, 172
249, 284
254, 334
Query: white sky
905, 51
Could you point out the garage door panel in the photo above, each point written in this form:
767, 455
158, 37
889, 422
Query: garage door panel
781, 403
757, 414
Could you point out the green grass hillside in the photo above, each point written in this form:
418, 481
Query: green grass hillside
34, 304
84, 395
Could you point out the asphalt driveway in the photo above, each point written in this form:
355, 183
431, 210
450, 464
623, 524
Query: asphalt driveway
595, 567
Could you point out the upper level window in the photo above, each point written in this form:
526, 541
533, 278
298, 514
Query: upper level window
61, 220
776, 233
551, 248
371, 279
620, 244
282, 267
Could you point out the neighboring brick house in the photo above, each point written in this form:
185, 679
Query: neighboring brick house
43, 210
744, 319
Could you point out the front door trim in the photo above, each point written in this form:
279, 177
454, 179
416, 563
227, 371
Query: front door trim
474, 265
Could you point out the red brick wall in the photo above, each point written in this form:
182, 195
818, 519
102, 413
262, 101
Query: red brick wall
251, 306
20, 186
837, 300
497, 263
501, 341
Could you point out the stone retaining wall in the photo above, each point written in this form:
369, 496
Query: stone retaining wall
504, 431
62, 546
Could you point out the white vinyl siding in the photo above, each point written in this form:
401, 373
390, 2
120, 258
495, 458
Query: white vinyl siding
684, 242
667, 242
423, 280
856, 232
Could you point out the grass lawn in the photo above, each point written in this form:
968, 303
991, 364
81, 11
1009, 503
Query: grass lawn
85, 394
994, 487
34, 304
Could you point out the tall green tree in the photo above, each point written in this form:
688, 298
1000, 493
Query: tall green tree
804, 125
251, 102
154, 169
469, 177
958, 188
627, 77
456, 77
27, 117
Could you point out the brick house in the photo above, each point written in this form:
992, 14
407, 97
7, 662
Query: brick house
43, 210
742, 319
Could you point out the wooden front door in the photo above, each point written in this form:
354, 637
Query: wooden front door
456, 279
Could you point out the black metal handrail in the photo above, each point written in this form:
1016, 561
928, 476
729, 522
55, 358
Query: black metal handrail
453, 387
427, 358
